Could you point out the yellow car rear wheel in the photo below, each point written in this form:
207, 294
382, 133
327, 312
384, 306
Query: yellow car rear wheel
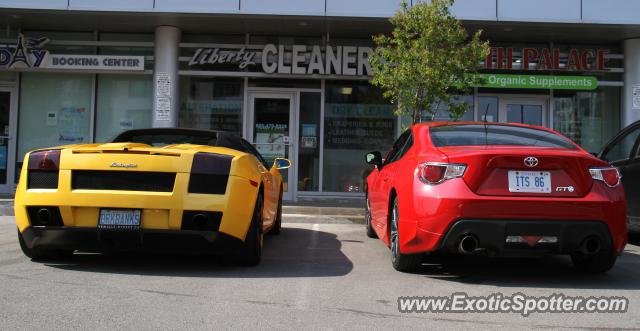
277, 225
252, 251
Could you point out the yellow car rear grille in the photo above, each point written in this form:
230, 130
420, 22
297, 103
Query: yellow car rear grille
42, 179
123, 180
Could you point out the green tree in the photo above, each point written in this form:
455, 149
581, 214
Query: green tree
427, 59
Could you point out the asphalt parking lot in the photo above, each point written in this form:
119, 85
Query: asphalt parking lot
321, 273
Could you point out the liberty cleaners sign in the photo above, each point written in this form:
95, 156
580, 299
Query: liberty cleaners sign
293, 60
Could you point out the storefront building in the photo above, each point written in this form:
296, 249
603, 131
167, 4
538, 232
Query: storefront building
292, 77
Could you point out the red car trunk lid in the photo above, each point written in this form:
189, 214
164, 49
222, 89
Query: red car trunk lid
488, 168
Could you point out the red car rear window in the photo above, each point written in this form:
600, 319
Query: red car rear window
500, 135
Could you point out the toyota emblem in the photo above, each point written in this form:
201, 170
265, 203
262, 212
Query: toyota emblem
531, 161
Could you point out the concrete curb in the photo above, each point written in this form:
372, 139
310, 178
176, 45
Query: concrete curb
303, 218
326, 211
6, 207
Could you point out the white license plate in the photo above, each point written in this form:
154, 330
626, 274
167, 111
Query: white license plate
530, 181
119, 219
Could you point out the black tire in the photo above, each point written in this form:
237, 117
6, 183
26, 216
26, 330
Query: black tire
371, 233
277, 225
400, 262
40, 253
595, 263
252, 250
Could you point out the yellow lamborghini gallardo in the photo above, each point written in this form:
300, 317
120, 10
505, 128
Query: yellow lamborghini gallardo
151, 189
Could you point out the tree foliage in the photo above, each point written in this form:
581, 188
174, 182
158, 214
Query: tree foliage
428, 55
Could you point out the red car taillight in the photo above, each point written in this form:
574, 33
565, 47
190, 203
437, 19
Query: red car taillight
45, 160
435, 173
610, 176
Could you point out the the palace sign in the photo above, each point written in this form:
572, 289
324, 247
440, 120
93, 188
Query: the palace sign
550, 59
293, 60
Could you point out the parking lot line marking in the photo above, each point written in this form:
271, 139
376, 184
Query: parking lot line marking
305, 283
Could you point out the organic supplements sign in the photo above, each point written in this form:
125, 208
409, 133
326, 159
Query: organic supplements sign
582, 83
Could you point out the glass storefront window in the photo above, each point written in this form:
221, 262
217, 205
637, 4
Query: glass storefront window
285, 40
5, 110
588, 118
7, 76
65, 36
488, 109
124, 103
215, 39
211, 104
525, 114
126, 37
54, 110
128, 47
357, 120
285, 83
443, 114
309, 144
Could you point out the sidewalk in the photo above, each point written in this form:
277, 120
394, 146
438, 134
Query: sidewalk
350, 209
6, 207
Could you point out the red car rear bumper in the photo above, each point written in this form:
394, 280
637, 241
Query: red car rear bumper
428, 214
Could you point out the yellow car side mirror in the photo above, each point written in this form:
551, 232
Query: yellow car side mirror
281, 163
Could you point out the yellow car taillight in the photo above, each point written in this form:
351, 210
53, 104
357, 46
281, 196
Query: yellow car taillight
43, 168
210, 173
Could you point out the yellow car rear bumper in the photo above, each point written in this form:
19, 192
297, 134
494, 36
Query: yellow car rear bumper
160, 211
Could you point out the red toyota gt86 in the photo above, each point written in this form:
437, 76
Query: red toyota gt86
495, 189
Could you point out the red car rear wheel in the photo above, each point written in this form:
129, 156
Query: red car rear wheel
600, 262
400, 262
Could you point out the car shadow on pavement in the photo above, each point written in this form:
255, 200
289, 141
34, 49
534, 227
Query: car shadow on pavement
546, 272
295, 252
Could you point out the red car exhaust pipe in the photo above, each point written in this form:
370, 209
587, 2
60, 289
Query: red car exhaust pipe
591, 246
468, 244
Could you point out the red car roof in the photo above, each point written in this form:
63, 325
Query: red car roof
433, 124
420, 127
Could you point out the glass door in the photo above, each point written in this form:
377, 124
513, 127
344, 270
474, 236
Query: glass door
272, 131
7, 150
532, 111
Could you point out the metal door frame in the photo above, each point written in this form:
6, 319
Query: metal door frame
525, 100
9, 187
292, 96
